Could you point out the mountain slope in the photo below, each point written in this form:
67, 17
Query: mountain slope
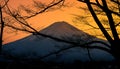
64, 30
35, 47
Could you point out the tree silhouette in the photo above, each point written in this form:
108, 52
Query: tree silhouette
18, 22
16, 17
2, 5
105, 9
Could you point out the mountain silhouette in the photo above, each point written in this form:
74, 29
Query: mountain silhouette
36, 46
64, 30
61, 29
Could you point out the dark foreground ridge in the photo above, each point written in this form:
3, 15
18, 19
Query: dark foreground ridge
43, 65
36, 64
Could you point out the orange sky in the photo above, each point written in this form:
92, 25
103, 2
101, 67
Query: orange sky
45, 19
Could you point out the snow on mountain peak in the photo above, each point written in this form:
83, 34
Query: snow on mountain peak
64, 30
60, 28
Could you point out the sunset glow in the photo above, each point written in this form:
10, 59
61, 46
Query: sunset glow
45, 19
59, 34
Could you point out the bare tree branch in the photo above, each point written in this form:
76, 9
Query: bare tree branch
117, 24
100, 6
112, 23
46, 8
82, 46
5, 3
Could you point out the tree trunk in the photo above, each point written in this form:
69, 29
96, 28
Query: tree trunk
115, 48
1, 29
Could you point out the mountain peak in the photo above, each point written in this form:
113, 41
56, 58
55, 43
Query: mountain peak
61, 25
64, 30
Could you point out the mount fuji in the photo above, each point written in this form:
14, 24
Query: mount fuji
36, 46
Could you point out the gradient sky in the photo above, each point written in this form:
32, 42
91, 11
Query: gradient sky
45, 19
